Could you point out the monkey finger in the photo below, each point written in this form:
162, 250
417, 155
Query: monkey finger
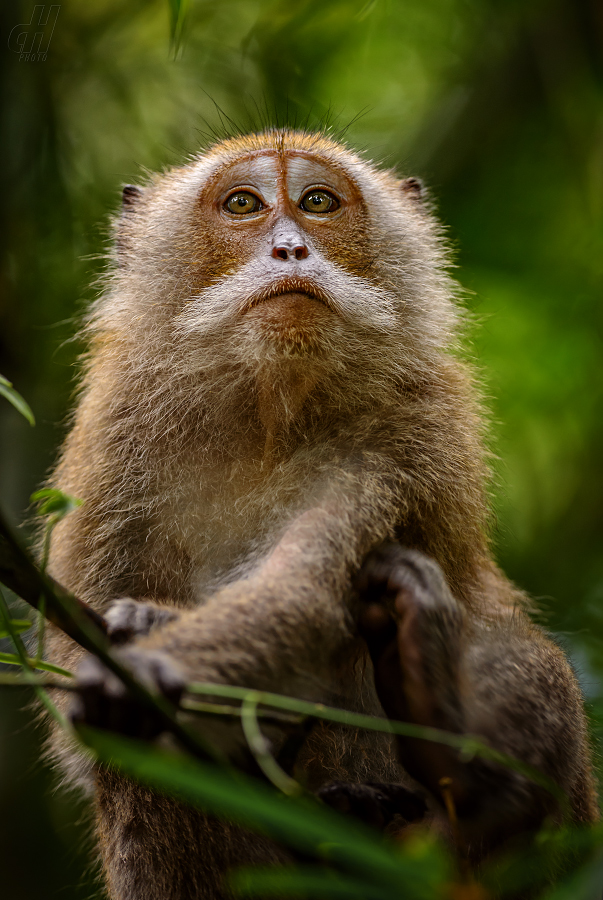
128, 619
371, 581
379, 631
168, 678
103, 701
94, 683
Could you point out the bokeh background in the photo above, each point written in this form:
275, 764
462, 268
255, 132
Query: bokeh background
498, 106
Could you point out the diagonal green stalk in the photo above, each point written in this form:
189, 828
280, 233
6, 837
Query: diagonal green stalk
87, 628
10, 659
468, 745
260, 748
27, 665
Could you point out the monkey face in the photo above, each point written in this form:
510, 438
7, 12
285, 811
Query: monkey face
284, 213
280, 245
284, 232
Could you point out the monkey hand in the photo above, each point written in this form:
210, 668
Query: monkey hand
103, 702
128, 619
414, 630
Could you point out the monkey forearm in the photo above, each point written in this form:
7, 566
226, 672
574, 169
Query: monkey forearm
362, 504
439, 665
292, 610
322, 546
286, 635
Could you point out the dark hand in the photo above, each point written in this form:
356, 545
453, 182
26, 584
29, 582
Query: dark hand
103, 702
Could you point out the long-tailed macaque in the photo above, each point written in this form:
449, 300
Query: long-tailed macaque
271, 393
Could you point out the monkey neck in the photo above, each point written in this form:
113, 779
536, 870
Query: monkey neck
281, 396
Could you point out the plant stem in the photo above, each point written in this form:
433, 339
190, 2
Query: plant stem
27, 665
260, 748
469, 745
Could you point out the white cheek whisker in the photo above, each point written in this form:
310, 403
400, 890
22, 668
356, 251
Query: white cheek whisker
354, 299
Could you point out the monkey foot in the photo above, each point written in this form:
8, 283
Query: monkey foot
374, 804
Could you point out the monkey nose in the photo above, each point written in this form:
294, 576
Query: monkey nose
285, 250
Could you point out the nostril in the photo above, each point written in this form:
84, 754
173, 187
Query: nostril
280, 253
301, 252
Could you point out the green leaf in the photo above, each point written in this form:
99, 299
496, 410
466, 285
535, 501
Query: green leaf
310, 881
178, 10
301, 823
19, 625
54, 502
11, 659
14, 397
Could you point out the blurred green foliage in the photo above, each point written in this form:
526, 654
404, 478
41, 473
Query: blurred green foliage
498, 106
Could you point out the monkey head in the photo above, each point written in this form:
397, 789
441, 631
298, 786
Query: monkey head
285, 256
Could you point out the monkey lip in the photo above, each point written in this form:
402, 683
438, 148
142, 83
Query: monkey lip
288, 286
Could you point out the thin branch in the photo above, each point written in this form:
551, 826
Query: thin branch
7, 679
19, 572
468, 745
234, 712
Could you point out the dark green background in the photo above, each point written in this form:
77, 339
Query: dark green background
499, 106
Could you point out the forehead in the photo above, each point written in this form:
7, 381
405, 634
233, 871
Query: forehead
292, 170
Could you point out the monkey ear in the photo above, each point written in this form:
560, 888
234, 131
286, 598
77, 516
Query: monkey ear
414, 187
129, 195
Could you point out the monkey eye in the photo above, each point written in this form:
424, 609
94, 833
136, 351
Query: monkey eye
243, 203
318, 201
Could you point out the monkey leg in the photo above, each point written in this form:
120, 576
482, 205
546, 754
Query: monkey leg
414, 629
502, 679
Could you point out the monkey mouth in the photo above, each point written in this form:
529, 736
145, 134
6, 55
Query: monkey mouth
290, 285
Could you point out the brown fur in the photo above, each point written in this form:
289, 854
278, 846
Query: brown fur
239, 456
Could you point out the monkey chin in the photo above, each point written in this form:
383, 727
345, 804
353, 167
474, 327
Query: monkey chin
290, 324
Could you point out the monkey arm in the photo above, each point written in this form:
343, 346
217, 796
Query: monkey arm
285, 624
290, 617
